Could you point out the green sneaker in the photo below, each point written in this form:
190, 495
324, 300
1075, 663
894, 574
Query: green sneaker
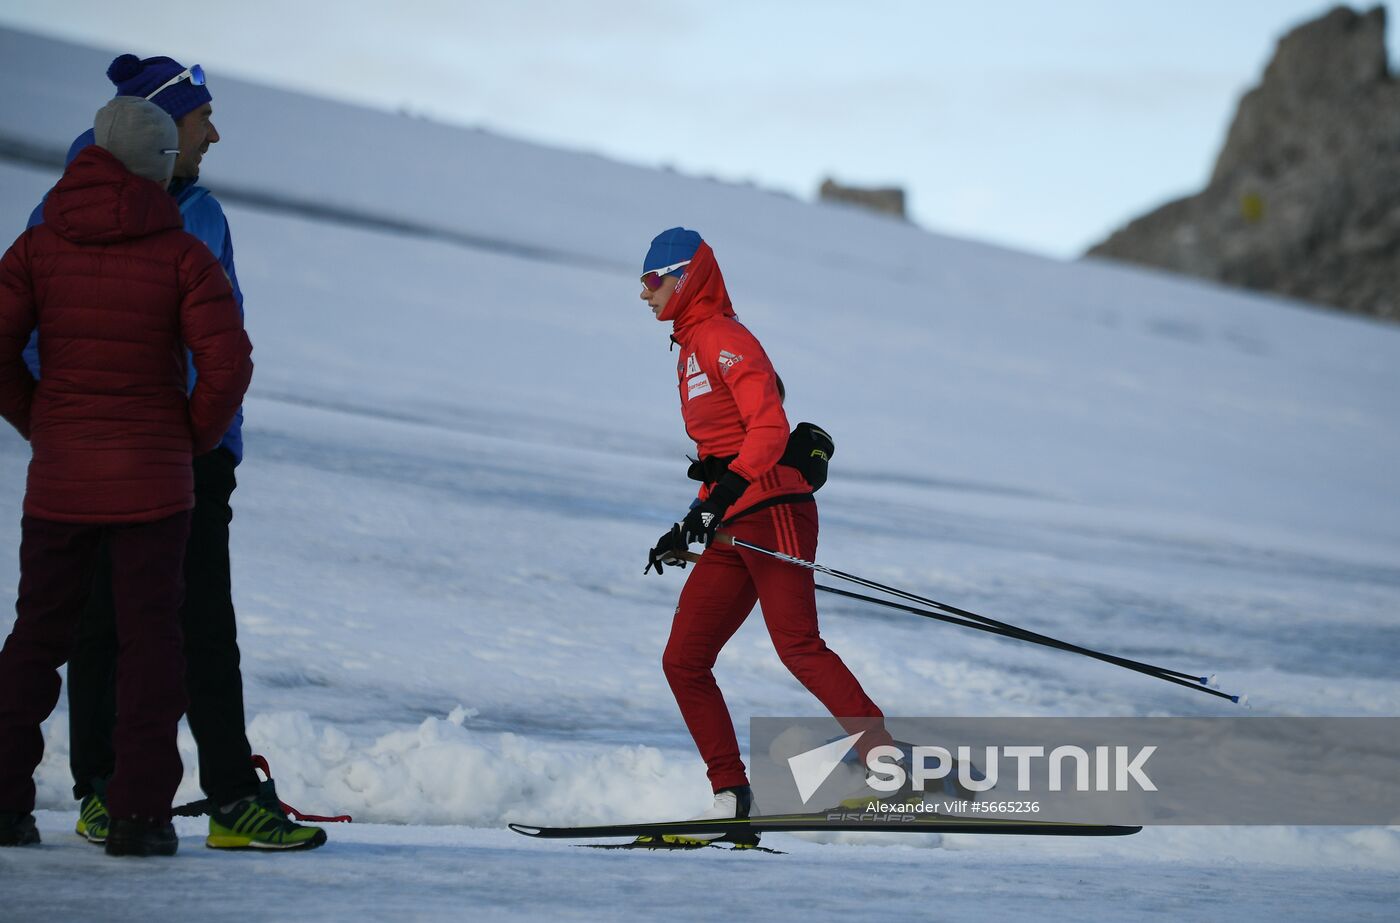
94, 823
249, 824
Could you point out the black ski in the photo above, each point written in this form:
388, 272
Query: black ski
683, 844
832, 821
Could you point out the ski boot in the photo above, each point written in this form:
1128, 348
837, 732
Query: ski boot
735, 802
950, 786
862, 800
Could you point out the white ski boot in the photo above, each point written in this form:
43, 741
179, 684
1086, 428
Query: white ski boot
730, 804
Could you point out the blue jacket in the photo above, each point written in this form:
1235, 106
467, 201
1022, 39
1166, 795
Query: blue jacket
204, 218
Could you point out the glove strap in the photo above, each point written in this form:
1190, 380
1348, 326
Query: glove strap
727, 492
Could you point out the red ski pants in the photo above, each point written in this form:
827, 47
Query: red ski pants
717, 598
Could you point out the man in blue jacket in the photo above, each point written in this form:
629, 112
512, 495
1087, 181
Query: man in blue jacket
243, 812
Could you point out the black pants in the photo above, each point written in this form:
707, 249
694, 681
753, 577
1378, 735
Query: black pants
213, 680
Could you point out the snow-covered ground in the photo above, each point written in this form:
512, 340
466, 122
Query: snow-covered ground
462, 438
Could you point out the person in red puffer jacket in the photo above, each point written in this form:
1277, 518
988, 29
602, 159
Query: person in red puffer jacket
118, 291
732, 405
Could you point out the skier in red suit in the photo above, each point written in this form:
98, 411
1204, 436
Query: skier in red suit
732, 407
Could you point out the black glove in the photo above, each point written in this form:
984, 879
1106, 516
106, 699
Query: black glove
667, 549
700, 524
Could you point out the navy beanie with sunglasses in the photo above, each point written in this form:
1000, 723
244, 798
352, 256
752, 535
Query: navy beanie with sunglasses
671, 246
135, 76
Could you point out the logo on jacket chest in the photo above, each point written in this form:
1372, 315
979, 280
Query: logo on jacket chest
696, 381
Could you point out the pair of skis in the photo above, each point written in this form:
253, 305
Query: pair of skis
744, 831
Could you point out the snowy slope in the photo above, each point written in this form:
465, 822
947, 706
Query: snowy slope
462, 437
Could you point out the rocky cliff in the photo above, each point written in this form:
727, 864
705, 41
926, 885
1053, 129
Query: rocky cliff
1304, 200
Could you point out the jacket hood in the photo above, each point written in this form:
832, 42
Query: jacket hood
99, 201
699, 296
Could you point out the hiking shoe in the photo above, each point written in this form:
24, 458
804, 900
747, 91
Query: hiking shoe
267, 797
18, 830
130, 836
258, 823
93, 820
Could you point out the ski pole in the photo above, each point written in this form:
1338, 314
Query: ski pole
954, 610
1021, 635
973, 620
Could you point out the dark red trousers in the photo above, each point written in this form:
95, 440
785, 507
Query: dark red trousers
56, 568
717, 598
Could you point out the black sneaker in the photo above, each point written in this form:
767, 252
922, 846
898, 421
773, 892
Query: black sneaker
18, 830
132, 837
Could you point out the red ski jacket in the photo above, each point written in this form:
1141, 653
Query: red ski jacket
117, 290
729, 391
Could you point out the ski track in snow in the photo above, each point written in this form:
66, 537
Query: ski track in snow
458, 457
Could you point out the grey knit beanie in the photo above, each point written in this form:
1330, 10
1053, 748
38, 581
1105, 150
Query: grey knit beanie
140, 134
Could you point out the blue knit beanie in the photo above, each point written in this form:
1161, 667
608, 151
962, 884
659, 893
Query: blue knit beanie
135, 76
671, 246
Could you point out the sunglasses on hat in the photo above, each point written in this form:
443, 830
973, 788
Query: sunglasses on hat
194, 75
652, 280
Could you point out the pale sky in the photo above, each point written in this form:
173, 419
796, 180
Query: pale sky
1036, 125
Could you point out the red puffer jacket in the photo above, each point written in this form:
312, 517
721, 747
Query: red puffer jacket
117, 291
729, 391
